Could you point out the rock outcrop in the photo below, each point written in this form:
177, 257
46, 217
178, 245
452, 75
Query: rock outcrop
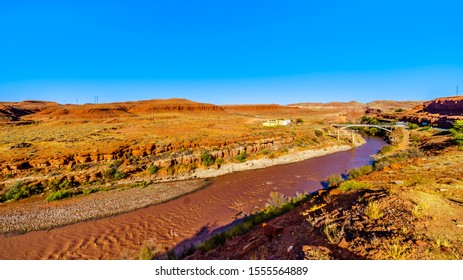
440, 112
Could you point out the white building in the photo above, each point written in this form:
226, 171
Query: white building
273, 123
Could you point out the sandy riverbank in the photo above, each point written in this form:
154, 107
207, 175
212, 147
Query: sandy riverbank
37, 214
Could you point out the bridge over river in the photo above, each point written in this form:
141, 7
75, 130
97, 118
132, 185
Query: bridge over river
387, 127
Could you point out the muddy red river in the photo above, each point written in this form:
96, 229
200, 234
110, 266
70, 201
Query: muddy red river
188, 219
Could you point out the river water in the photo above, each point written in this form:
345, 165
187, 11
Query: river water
188, 219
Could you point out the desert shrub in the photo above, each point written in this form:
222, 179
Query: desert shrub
241, 157
115, 164
79, 166
414, 138
373, 131
113, 171
333, 232
353, 185
334, 180
89, 191
207, 159
20, 190
215, 241
62, 184
399, 110
298, 198
219, 161
417, 211
148, 252
458, 126
417, 180
397, 158
413, 126
385, 150
152, 169
374, 210
299, 121
318, 133
276, 200
357, 172
369, 120
457, 132
265, 152
61, 194
397, 250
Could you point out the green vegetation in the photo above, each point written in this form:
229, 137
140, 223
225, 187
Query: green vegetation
60, 195
20, 190
276, 200
361, 171
399, 110
374, 210
113, 172
372, 130
457, 132
385, 150
414, 138
219, 161
399, 157
241, 157
413, 126
62, 184
334, 180
153, 169
353, 185
148, 252
207, 159
369, 120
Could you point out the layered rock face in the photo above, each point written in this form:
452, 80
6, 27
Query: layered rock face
440, 112
172, 155
451, 106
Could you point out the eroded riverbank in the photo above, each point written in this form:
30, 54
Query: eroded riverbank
192, 217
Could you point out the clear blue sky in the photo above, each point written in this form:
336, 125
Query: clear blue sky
230, 51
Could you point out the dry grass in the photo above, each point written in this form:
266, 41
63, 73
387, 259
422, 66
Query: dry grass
397, 250
374, 210
333, 232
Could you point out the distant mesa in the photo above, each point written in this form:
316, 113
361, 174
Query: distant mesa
40, 110
168, 105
